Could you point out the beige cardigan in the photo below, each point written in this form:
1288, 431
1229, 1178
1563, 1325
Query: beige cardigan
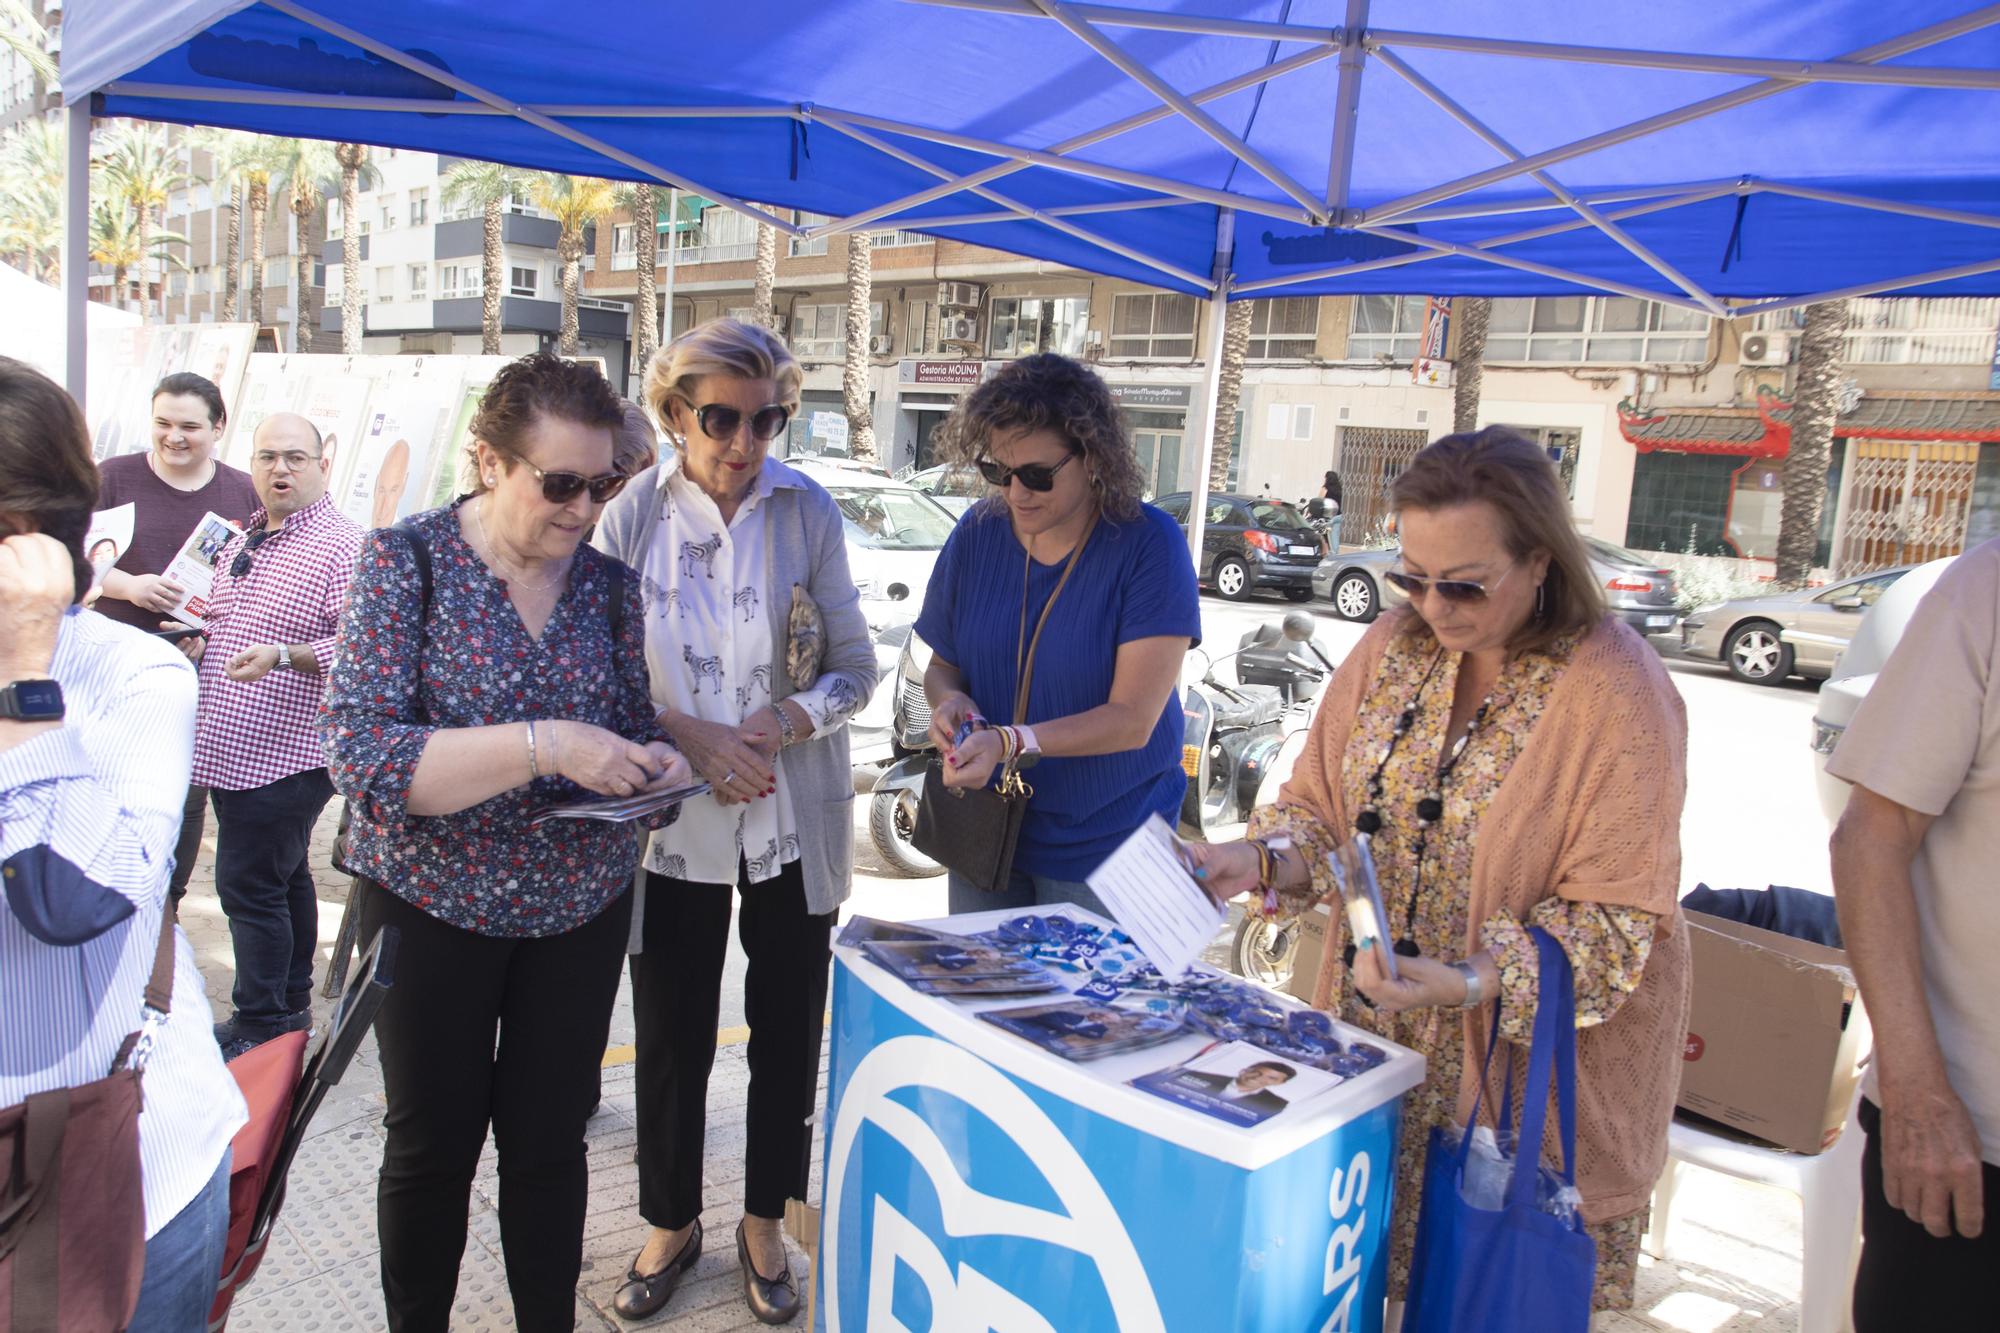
1590, 811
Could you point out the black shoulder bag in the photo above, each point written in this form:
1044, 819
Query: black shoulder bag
972, 832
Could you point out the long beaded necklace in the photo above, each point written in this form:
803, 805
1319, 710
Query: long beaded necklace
1430, 808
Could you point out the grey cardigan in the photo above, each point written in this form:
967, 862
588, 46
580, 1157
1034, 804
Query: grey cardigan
804, 544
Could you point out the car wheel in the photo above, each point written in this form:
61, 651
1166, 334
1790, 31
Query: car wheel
1232, 578
1298, 594
1756, 654
1354, 596
892, 822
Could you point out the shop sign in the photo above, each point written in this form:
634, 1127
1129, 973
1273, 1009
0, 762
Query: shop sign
1153, 395
828, 429
957, 373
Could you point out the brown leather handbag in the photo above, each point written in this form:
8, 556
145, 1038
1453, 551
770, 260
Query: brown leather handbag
972, 833
72, 1205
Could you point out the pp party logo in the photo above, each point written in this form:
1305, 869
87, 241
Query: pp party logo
966, 1251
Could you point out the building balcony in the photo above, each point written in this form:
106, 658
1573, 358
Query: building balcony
331, 255
467, 236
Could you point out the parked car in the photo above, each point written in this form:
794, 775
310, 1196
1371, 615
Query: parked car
956, 488
894, 534
1876, 635
1636, 589
1767, 639
1249, 542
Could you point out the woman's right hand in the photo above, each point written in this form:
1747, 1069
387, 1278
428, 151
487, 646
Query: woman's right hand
1225, 869
947, 716
733, 767
601, 761
154, 592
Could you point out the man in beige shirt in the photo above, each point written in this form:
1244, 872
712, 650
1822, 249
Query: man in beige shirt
1916, 873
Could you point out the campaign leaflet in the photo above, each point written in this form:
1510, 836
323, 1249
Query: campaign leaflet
1081, 1030
109, 537
617, 809
861, 929
939, 960
193, 567
1237, 1083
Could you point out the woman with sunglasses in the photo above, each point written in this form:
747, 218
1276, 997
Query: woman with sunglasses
1517, 758
1064, 535
487, 666
731, 546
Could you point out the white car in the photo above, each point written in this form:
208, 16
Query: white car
894, 534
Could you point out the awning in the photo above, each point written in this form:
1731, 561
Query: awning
1966, 418
1736, 431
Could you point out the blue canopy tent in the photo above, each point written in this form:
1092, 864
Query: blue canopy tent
1731, 159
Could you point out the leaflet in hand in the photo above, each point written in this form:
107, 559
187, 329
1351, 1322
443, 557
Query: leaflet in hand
617, 809
1083, 1030
1238, 1083
1149, 887
193, 567
109, 537
1353, 866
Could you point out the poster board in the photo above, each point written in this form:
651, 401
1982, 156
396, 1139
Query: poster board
125, 364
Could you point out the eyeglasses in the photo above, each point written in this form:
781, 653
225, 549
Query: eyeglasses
719, 421
1459, 591
1035, 476
241, 564
294, 459
559, 488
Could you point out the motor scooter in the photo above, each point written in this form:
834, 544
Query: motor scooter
1234, 734
899, 788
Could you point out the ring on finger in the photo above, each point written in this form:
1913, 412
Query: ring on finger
729, 777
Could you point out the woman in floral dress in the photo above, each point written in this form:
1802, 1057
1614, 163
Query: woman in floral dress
1518, 758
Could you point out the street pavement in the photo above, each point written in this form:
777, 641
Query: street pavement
1752, 819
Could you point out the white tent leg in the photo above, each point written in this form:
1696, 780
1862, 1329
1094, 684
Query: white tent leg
76, 250
1218, 315
666, 315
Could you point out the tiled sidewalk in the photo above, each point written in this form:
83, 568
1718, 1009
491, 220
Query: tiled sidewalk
1736, 1247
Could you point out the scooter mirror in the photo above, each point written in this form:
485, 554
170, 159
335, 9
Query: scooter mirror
1299, 627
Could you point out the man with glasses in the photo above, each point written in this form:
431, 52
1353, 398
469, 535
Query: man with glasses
275, 610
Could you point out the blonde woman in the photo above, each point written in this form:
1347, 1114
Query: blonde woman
722, 535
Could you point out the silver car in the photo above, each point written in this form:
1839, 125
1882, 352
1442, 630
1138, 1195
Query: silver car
955, 488
1767, 639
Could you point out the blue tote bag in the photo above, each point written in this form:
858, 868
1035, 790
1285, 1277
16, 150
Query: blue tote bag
1518, 1268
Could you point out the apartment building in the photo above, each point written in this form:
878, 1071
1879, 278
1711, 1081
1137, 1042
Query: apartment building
25, 94
194, 292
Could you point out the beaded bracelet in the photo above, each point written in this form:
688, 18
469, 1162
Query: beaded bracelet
787, 733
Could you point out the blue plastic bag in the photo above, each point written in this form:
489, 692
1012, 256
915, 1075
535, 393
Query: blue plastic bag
1521, 1268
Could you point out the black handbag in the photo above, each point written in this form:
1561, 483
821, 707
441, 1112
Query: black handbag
972, 832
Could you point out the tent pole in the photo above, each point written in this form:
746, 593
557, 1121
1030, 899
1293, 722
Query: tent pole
1596, 199
673, 247
1881, 205
1546, 270
1112, 16
1013, 215
1218, 315
1346, 107
1871, 288
76, 249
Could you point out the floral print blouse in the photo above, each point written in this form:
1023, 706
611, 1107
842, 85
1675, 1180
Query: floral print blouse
397, 679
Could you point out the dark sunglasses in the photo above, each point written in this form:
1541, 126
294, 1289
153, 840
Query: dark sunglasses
1460, 591
559, 488
1035, 476
719, 421
241, 564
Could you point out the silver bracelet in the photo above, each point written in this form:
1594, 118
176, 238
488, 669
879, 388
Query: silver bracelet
534, 770
1474, 987
787, 733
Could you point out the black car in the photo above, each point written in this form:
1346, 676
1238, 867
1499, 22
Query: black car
1250, 542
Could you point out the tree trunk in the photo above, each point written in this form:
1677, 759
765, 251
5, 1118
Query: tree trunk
569, 249
118, 284
1472, 314
232, 276
351, 156
1814, 405
854, 375
492, 260
145, 245
1229, 392
646, 217
305, 315
767, 277
260, 204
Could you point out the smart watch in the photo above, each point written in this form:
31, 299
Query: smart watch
32, 701
1031, 750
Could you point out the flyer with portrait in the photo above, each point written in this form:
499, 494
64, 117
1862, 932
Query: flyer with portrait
193, 567
109, 537
1083, 1030
1238, 1083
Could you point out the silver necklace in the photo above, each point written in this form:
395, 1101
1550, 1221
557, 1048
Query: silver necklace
494, 556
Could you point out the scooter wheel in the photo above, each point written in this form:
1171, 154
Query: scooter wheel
892, 822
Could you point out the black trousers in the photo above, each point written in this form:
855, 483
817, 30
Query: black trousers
187, 847
547, 1001
1909, 1279
263, 875
676, 996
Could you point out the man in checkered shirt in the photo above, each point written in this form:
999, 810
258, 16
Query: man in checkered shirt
275, 610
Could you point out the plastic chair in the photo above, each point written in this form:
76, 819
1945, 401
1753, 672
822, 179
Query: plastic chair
1828, 1186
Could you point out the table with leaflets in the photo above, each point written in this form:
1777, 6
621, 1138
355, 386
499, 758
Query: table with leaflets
1090, 1145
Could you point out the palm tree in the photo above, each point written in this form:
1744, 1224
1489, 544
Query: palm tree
644, 206
1229, 393
142, 169
230, 153
1814, 406
489, 185
258, 161
854, 373
353, 159
767, 277
23, 35
31, 162
575, 202
115, 242
304, 169
1473, 313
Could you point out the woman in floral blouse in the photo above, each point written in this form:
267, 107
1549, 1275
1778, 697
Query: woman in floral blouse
452, 711
1518, 757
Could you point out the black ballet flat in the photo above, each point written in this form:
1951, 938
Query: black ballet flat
774, 1300
642, 1297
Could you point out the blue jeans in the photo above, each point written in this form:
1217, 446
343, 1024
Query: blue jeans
1024, 889
263, 875
184, 1262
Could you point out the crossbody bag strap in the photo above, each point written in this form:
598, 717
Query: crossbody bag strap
1024, 647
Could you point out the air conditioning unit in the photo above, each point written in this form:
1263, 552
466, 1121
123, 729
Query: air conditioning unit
878, 345
960, 295
958, 329
1767, 349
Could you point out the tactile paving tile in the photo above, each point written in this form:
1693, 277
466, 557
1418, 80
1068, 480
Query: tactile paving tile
331, 1162
335, 1230
303, 1307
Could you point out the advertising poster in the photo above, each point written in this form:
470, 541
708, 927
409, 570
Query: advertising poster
393, 472
336, 402
454, 472
126, 363
272, 382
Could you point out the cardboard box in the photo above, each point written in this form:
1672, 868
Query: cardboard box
1774, 1033
1306, 954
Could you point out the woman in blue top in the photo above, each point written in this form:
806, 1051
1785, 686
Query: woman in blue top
1102, 710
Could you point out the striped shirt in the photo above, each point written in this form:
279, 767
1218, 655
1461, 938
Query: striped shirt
250, 733
88, 817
